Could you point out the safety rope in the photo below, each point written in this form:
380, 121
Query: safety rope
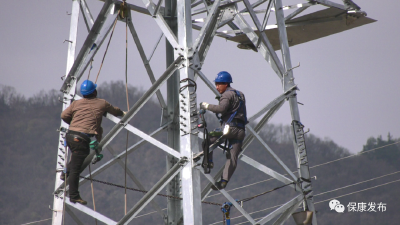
91, 185
138, 190
261, 194
105, 53
90, 69
127, 97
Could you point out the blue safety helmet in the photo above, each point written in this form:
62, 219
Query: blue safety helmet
223, 77
88, 87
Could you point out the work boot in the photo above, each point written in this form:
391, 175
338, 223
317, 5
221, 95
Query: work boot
78, 200
219, 185
210, 165
62, 176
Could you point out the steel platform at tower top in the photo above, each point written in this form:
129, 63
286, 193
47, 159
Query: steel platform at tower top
185, 58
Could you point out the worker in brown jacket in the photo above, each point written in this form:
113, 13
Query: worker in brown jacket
84, 117
232, 107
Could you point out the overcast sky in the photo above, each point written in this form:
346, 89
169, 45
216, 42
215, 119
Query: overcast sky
348, 81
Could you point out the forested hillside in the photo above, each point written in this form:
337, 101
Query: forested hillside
28, 147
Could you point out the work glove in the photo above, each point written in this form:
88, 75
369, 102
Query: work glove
204, 105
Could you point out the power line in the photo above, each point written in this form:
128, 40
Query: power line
296, 171
37, 221
357, 183
366, 189
360, 153
326, 193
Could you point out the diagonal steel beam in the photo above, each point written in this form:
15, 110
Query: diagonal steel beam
136, 181
295, 13
138, 105
144, 59
209, 24
266, 170
272, 104
264, 37
231, 200
285, 215
207, 82
266, 50
161, 23
153, 191
87, 16
272, 153
284, 207
93, 42
90, 212
121, 155
331, 4
73, 216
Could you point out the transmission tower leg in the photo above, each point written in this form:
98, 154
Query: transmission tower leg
62, 152
191, 190
174, 206
298, 133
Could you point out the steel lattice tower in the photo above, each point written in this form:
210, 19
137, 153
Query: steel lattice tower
185, 58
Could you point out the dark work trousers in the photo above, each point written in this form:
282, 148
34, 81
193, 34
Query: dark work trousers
233, 154
79, 146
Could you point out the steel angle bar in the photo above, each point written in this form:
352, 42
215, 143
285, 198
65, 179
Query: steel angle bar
272, 153
145, 137
169, 34
196, 3
139, 104
331, 4
208, 24
73, 216
157, 9
209, 36
284, 207
155, 47
223, 3
254, 5
121, 155
285, 215
62, 152
296, 12
90, 212
266, 170
144, 59
134, 8
153, 191
135, 180
230, 199
266, 50
206, 6
274, 102
93, 42
265, 21
87, 16
263, 36
207, 82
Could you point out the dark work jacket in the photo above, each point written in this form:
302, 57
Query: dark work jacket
85, 115
228, 104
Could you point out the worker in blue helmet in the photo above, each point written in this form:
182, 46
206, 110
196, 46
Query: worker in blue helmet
232, 108
84, 117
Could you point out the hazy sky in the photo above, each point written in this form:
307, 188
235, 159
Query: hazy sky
348, 82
